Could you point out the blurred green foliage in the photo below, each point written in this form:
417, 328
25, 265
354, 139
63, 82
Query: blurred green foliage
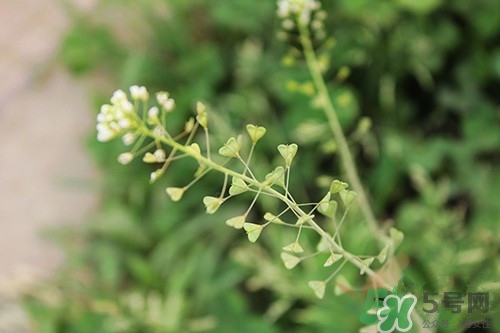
427, 74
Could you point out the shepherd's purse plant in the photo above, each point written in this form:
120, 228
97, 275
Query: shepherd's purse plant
142, 123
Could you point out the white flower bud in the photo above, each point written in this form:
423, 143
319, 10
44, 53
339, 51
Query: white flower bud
139, 93
159, 154
188, 127
118, 97
162, 97
169, 105
153, 115
126, 106
114, 126
154, 175
104, 134
317, 25
128, 139
158, 131
288, 24
125, 158
124, 123
106, 109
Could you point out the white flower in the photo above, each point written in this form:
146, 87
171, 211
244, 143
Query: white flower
104, 135
113, 125
126, 106
128, 139
188, 127
139, 93
283, 9
287, 24
165, 101
300, 8
118, 97
162, 97
154, 175
169, 105
158, 131
124, 123
153, 115
317, 25
106, 109
125, 158
115, 118
159, 154
101, 117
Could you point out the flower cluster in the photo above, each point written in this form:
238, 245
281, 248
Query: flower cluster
115, 118
136, 122
300, 18
122, 118
302, 9
165, 101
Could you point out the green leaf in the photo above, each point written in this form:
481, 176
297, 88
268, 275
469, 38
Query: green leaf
421, 6
212, 204
142, 270
293, 247
289, 260
318, 287
255, 132
253, 231
236, 222
288, 152
238, 186
231, 148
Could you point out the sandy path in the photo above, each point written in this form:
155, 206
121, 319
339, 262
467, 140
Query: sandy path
44, 117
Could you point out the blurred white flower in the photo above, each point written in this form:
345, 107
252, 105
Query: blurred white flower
160, 155
302, 9
125, 158
139, 93
128, 139
165, 101
115, 118
153, 113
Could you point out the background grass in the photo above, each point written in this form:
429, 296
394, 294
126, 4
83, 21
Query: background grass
426, 73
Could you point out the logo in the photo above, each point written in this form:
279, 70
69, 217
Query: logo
395, 314
392, 311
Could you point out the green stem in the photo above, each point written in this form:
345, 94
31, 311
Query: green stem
353, 259
345, 153
290, 203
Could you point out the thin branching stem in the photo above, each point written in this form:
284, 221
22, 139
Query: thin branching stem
353, 259
329, 109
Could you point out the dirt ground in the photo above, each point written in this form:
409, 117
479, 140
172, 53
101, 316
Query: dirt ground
44, 117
